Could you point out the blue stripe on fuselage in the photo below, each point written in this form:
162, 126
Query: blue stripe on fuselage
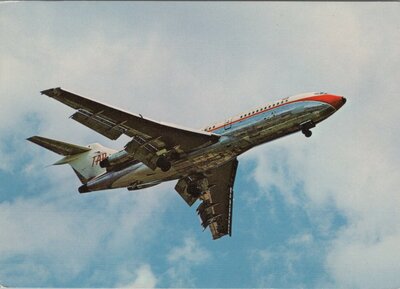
293, 107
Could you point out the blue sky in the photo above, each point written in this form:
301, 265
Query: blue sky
318, 212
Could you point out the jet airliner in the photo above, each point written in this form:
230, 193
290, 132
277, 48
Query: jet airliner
204, 161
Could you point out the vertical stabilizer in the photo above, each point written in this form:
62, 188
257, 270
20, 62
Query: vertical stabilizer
84, 160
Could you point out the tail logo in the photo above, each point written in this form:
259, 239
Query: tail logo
98, 158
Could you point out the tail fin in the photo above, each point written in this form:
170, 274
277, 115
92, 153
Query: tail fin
84, 160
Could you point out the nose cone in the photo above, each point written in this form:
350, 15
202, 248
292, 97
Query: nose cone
339, 102
336, 101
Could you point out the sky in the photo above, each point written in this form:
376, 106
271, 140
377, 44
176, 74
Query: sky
317, 212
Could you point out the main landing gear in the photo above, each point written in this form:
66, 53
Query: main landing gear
163, 163
194, 190
306, 126
197, 186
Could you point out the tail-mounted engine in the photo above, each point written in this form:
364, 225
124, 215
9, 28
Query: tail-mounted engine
117, 159
150, 153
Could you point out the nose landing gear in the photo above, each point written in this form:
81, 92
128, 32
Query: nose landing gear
307, 132
306, 126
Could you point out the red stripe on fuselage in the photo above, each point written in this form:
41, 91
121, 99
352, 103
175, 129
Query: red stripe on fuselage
331, 99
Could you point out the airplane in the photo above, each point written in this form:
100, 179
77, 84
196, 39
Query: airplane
204, 161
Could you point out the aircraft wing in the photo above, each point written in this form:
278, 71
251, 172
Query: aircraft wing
216, 209
112, 123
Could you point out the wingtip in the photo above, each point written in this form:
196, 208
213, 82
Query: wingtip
35, 139
51, 91
32, 138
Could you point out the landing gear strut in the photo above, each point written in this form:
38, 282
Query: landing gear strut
306, 126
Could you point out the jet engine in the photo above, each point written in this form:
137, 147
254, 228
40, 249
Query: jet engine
116, 159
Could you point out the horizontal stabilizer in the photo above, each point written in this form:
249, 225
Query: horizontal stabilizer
59, 147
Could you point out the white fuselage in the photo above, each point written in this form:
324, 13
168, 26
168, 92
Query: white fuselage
238, 134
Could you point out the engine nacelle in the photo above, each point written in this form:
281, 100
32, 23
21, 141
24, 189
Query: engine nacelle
116, 159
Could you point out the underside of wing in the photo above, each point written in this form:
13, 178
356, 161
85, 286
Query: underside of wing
112, 123
215, 211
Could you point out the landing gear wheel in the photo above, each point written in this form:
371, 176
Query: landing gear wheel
193, 190
163, 164
306, 126
307, 132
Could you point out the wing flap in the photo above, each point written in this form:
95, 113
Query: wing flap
99, 124
216, 209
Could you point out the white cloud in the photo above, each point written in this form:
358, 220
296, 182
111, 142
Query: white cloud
143, 277
68, 234
360, 264
182, 259
32, 228
191, 251
281, 265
